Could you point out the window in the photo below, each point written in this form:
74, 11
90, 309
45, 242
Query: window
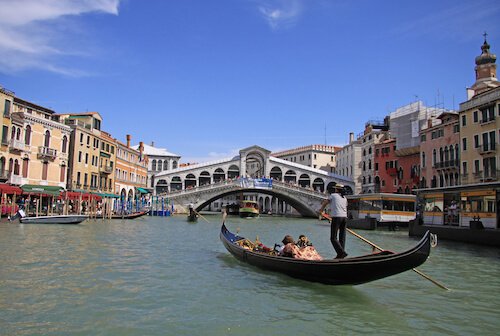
25, 167
6, 111
464, 144
62, 174
79, 156
423, 159
88, 140
476, 141
464, 120
488, 113
475, 117
422, 138
476, 166
27, 135
45, 170
64, 145
97, 124
464, 167
86, 158
78, 175
81, 138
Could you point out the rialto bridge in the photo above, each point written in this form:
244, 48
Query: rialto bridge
297, 185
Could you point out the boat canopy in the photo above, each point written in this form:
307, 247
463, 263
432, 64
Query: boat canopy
33, 189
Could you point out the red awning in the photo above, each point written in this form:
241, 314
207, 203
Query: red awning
74, 195
10, 189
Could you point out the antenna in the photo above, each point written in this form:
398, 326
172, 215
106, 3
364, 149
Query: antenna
325, 133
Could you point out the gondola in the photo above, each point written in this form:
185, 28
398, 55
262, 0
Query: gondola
348, 271
132, 215
192, 217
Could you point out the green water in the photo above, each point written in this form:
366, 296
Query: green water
165, 276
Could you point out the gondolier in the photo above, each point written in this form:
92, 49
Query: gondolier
338, 212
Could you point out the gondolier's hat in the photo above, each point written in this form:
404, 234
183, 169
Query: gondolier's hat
334, 188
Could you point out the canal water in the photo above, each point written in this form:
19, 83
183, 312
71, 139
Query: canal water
165, 276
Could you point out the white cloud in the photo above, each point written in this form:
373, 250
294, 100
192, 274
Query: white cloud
30, 38
281, 13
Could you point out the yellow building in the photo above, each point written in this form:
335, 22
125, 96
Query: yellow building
6, 102
479, 119
131, 170
92, 153
38, 147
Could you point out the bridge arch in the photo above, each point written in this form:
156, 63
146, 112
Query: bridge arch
304, 209
319, 184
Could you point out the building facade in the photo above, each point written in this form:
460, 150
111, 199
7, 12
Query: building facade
314, 156
479, 119
131, 172
159, 160
92, 154
6, 102
348, 160
439, 152
386, 167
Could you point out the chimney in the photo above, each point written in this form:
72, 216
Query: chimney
141, 147
152, 143
351, 137
128, 140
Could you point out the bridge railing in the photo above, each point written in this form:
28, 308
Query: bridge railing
236, 184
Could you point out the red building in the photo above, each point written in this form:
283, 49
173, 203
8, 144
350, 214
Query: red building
386, 167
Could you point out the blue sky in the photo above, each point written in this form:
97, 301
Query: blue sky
205, 78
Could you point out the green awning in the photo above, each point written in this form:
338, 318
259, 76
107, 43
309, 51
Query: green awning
38, 189
143, 191
106, 195
104, 154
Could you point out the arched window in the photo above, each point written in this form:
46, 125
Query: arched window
27, 135
165, 165
13, 133
434, 157
16, 167
441, 156
46, 141
18, 134
153, 165
160, 164
423, 159
370, 164
64, 145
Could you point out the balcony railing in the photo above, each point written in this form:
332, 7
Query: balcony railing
107, 169
392, 171
16, 145
487, 149
47, 152
487, 120
447, 164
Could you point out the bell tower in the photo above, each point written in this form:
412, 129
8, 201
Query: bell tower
486, 70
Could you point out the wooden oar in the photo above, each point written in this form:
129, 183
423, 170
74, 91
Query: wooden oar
381, 249
199, 214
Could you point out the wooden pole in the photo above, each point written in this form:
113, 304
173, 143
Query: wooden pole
380, 249
199, 214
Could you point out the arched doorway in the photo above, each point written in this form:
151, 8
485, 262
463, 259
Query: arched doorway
276, 174
176, 183
161, 186
290, 177
319, 184
233, 172
255, 165
204, 178
190, 181
219, 175
304, 181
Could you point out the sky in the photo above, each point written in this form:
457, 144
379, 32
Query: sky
206, 78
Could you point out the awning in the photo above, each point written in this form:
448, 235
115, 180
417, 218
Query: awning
10, 189
104, 154
143, 191
38, 189
106, 195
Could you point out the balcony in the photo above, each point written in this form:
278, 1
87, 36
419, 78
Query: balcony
487, 149
107, 169
449, 164
16, 145
4, 176
46, 153
392, 171
487, 121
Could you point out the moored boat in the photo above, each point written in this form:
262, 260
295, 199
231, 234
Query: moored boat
132, 215
62, 219
348, 271
249, 209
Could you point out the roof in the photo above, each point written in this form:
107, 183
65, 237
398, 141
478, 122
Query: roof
155, 151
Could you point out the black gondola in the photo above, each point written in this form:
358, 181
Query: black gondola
192, 217
348, 271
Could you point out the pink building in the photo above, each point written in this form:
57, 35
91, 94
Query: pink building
439, 151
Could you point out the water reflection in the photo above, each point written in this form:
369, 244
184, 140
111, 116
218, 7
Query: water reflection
161, 275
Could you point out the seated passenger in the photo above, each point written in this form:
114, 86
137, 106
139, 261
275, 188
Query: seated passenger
287, 248
303, 241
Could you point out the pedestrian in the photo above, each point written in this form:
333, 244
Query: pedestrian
338, 213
